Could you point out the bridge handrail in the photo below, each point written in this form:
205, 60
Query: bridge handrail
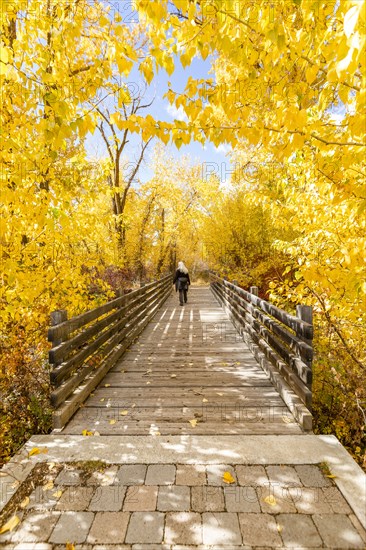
281, 342
85, 347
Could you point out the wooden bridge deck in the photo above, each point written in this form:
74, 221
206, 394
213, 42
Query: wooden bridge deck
188, 365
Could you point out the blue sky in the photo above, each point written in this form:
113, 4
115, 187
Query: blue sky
212, 159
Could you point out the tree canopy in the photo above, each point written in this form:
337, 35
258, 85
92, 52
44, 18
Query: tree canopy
286, 94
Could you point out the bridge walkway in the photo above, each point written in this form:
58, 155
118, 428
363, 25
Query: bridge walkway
189, 372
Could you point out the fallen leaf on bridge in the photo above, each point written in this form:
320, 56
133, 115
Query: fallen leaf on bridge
112, 421
10, 525
123, 413
48, 486
204, 400
228, 478
287, 420
86, 432
69, 546
106, 385
173, 376
331, 476
193, 422
57, 494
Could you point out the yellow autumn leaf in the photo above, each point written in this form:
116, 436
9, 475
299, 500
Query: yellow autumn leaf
124, 413
9, 525
49, 485
106, 385
69, 546
86, 433
193, 422
34, 451
228, 478
173, 376
204, 400
270, 500
24, 502
331, 476
57, 494
113, 421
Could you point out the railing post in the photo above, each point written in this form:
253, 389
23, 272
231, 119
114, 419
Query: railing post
254, 290
305, 313
56, 318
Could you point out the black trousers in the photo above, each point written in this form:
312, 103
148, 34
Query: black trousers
183, 295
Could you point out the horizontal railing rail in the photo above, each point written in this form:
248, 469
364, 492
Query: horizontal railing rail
85, 347
281, 342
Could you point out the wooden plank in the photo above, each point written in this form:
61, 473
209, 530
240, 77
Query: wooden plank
65, 329
241, 399
296, 344
292, 400
63, 371
60, 352
64, 413
300, 327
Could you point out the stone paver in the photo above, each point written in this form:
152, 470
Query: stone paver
336, 500
215, 473
295, 529
72, 527
311, 500
221, 528
259, 530
160, 474
44, 500
107, 499
145, 527
275, 500
241, 499
36, 527
132, 474
174, 498
107, 477
188, 474
312, 476
183, 528
109, 527
208, 499
141, 498
283, 475
68, 476
75, 498
337, 531
251, 475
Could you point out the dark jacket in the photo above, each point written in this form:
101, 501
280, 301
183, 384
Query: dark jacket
181, 275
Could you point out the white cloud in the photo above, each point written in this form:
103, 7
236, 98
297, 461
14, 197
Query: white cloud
178, 114
223, 148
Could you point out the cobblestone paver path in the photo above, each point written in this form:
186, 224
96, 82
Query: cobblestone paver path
184, 507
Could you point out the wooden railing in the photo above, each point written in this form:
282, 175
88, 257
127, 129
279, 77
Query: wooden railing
281, 343
86, 347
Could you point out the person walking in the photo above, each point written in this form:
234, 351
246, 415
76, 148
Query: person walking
182, 281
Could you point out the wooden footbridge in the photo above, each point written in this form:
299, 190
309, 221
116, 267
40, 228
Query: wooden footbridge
225, 363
